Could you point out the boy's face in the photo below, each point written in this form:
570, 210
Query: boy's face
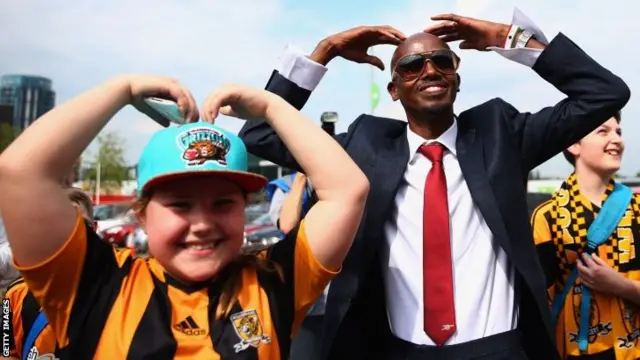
601, 150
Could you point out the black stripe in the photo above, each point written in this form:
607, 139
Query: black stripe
99, 287
281, 304
30, 311
224, 336
191, 322
281, 293
153, 338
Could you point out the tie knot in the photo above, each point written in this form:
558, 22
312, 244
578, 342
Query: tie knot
433, 151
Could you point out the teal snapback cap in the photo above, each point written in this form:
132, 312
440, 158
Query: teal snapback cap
200, 149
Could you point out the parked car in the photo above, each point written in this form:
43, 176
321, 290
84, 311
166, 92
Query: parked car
254, 211
109, 215
261, 239
262, 222
117, 235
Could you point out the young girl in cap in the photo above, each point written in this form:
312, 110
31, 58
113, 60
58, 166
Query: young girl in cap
197, 297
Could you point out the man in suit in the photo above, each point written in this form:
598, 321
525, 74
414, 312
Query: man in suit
443, 265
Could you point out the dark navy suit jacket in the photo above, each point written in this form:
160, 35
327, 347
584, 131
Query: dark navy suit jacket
497, 148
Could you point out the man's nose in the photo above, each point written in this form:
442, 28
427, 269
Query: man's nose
429, 70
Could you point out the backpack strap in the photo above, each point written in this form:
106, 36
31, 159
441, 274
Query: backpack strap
601, 228
34, 331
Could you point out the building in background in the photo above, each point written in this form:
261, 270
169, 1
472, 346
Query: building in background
30, 97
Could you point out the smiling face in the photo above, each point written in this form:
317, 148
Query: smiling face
195, 226
424, 74
600, 151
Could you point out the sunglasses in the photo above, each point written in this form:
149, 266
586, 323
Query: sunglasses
411, 67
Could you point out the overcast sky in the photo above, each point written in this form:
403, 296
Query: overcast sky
205, 43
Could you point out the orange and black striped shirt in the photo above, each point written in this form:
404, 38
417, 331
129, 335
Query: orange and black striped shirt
559, 231
104, 304
23, 310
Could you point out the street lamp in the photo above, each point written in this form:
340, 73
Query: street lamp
328, 121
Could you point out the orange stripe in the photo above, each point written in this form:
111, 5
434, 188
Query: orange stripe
126, 313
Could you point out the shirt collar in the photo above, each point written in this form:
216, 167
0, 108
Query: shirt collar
447, 139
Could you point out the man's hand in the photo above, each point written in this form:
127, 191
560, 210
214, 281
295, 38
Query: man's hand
353, 45
475, 34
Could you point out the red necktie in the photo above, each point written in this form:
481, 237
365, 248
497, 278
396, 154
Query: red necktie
439, 312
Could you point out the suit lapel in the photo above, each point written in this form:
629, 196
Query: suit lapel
388, 166
470, 149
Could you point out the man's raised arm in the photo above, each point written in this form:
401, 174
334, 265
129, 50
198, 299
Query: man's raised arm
298, 75
593, 93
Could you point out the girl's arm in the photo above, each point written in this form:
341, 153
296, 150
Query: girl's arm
36, 211
340, 185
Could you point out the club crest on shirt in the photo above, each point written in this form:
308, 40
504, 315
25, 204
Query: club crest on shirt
248, 328
201, 144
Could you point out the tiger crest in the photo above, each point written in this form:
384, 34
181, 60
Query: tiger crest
248, 328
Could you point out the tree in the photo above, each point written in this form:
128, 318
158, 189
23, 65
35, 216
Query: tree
110, 158
7, 134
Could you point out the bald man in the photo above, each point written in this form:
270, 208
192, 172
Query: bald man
444, 266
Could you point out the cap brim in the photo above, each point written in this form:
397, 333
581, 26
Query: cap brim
249, 182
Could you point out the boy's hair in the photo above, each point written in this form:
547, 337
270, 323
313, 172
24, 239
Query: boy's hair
572, 159
78, 196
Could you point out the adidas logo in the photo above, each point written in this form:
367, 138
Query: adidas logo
189, 327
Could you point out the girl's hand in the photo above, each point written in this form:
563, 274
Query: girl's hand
166, 88
239, 101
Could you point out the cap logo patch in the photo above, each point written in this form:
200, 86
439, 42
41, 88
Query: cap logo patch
202, 144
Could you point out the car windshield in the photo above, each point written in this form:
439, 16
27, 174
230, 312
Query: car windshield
263, 219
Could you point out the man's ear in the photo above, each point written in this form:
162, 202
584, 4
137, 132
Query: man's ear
459, 80
391, 88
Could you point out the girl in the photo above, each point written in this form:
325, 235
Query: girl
197, 297
611, 273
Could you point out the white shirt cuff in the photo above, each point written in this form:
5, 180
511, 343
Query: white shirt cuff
524, 56
299, 69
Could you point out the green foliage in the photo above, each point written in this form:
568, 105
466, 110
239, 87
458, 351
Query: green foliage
7, 135
110, 157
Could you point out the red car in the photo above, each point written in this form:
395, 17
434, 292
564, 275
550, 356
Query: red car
117, 235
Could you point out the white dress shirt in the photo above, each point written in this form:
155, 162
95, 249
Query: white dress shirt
483, 276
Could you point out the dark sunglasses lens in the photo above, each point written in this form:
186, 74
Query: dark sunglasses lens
410, 67
444, 61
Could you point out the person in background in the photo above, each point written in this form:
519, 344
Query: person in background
27, 320
612, 272
276, 192
197, 297
306, 344
8, 273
